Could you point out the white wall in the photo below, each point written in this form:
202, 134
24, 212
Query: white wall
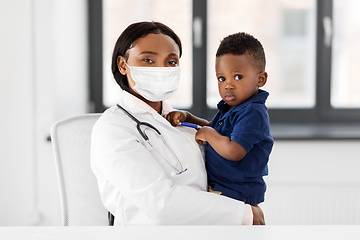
314, 182
43, 66
17, 118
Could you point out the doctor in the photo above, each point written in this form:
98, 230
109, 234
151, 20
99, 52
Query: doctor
152, 173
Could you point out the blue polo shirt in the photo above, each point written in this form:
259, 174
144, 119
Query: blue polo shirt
248, 125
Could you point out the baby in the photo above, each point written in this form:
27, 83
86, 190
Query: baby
238, 139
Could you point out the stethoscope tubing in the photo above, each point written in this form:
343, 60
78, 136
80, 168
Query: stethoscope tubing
138, 124
146, 138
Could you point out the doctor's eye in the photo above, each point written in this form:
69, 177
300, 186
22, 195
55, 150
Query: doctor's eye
148, 60
238, 77
173, 63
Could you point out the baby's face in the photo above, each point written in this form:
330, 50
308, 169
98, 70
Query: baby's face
238, 78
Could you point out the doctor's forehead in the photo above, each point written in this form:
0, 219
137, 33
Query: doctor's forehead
155, 44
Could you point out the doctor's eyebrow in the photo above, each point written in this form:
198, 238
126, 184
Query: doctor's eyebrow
173, 54
155, 53
148, 52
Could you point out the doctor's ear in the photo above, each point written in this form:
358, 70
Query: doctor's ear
121, 65
262, 78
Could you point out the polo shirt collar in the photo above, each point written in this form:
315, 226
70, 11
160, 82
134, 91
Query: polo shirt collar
260, 97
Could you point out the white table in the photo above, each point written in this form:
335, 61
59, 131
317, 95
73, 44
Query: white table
182, 232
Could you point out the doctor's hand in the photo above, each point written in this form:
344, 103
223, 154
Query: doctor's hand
175, 117
258, 215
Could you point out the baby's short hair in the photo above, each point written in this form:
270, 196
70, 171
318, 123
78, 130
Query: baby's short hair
242, 43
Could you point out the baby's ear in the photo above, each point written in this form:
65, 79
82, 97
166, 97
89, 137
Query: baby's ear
121, 65
262, 78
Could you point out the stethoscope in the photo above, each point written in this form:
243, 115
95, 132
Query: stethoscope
146, 138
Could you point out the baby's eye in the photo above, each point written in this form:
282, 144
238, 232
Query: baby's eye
238, 77
221, 79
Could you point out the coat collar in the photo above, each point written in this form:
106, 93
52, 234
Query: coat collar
137, 106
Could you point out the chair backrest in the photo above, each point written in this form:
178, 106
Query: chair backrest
79, 194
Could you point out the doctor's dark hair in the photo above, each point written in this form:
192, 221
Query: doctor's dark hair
127, 40
242, 43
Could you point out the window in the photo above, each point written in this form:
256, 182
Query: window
177, 14
286, 30
311, 50
345, 83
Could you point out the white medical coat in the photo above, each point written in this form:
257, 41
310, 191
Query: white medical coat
136, 184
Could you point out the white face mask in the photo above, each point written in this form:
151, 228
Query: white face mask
155, 83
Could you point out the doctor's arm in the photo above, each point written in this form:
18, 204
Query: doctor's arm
137, 176
258, 215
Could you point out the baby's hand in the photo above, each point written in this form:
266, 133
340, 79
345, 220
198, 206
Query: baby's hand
200, 134
175, 117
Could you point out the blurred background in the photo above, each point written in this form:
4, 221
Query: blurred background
55, 63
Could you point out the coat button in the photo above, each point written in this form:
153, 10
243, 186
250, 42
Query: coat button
220, 123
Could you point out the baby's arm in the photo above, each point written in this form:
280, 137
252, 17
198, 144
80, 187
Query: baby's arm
175, 117
223, 145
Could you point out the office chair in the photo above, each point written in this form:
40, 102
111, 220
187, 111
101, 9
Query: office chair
79, 194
